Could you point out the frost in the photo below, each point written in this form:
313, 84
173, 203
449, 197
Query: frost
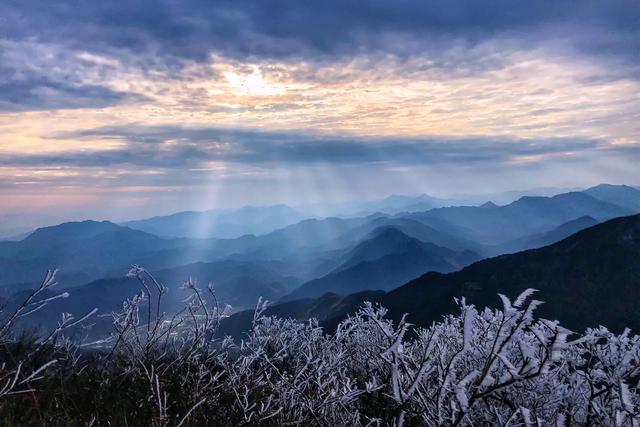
478, 367
524, 296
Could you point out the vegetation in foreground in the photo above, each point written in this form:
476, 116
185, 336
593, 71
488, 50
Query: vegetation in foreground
499, 367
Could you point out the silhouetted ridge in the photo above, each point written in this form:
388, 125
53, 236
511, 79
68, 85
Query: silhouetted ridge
527, 215
489, 205
589, 278
621, 195
547, 238
71, 231
385, 260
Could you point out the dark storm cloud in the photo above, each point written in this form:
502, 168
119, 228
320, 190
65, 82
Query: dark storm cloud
173, 147
192, 29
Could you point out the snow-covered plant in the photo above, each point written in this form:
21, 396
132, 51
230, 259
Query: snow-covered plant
18, 375
500, 367
478, 367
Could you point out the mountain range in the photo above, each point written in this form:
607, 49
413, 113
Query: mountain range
386, 259
224, 224
339, 256
588, 279
527, 215
622, 195
396, 204
83, 250
311, 248
538, 240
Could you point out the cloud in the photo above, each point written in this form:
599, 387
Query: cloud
35, 77
193, 29
65, 54
542, 90
174, 147
43, 94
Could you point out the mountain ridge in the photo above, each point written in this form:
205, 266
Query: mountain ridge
527, 215
385, 260
589, 278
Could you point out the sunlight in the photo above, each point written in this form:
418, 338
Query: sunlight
248, 202
253, 84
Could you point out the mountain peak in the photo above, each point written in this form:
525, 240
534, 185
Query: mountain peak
528, 199
74, 229
605, 186
387, 233
620, 195
585, 219
489, 205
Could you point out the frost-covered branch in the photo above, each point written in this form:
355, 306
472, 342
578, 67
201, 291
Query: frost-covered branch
478, 367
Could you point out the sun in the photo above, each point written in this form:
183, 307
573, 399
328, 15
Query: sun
253, 84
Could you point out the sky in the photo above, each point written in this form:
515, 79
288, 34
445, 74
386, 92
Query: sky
122, 109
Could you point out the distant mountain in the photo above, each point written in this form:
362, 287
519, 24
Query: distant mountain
395, 204
526, 216
342, 250
588, 279
489, 205
412, 228
506, 197
591, 278
218, 223
301, 247
539, 240
388, 240
317, 246
16, 237
384, 261
83, 251
305, 239
621, 195
89, 250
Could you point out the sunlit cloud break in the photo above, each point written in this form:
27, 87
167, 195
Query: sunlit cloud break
150, 97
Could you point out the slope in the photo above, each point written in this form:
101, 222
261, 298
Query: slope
384, 261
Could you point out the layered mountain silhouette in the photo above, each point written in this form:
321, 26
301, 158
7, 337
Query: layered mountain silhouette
384, 261
83, 251
388, 240
621, 195
412, 228
344, 259
544, 239
89, 250
590, 278
395, 204
309, 249
260, 220
528, 215
219, 224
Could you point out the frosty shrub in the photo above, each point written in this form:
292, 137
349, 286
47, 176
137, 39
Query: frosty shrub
478, 367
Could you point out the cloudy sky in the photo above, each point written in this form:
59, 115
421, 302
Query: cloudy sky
126, 108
